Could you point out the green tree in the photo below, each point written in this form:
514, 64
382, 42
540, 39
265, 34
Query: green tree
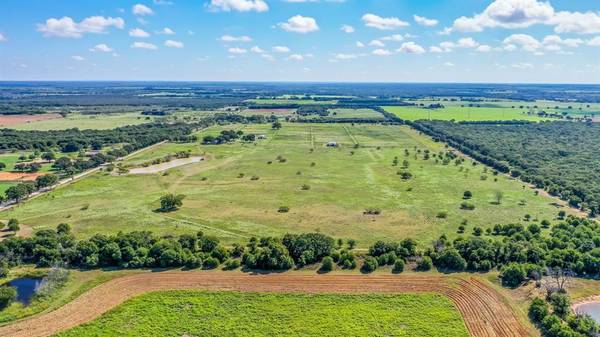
467, 195
398, 266
7, 295
171, 202
425, 264
13, 225
369, 265
513, 275
561, 304
538, 310
276, 125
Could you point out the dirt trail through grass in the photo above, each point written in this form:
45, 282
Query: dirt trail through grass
482, 308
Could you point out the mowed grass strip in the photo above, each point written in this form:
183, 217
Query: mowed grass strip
459, 113
237, 191
198, 313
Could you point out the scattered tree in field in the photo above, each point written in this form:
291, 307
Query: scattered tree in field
46, 181
283, 209
538, 310
351, 244
171, 202
2, 166
498, 196
561, 304
13, 225
467, 195
276, 126
48, 156
513, 275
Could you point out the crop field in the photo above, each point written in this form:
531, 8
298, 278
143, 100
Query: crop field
459, 113
12, 121
254, 314
96, 121
419, 304
237, 192
355, 114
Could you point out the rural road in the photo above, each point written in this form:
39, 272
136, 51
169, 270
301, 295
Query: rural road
484, 312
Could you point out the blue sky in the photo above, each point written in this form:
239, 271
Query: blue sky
302, 40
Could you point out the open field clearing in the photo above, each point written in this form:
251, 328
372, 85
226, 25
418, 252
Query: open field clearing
13, 121
462, 113
237, 191
100, 122
483, 310
11, 159
18, 176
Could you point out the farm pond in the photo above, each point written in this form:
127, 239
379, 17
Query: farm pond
26, 288
590, 308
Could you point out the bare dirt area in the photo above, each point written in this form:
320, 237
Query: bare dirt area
19, 176
482, 308
165, 166
7, 120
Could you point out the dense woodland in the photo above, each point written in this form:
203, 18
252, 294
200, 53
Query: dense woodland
560, 157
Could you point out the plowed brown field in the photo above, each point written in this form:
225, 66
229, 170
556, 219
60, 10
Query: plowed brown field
7, 120
482, 308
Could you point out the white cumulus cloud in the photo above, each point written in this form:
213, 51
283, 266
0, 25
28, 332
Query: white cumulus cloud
173, 44
237, 50
423, 21
138, 32
67, 27
411, 48
141, 10
376, 21
300, 24
102, 47
347, 29
281, 49
238, 5
144, 45
230, 38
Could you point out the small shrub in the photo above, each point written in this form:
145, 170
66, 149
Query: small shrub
442, 215
425, 264
283, 209
327, 264
512, 275
369, 265
210, 263
477, 231
254, 178
398, 266
305, 187
538, 310
232, 264
467, 195
467, 206
372, 211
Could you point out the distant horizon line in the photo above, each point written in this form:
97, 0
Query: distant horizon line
294, 82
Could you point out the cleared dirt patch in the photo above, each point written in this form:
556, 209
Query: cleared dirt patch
165, 166
483, 310
19, 176
7, 120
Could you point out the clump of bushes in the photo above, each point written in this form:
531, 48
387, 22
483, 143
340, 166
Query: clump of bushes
372, 211
283, 209
467, 206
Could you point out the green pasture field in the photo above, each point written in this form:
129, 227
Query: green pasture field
11, 159
98, 121
223, 199
4, 186
355, 113
199, 313
462, 113
590, 109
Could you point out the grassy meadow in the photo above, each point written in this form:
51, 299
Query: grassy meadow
459, 113
198, 313
96, 121
237, 191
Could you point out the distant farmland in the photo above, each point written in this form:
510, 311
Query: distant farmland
458, 113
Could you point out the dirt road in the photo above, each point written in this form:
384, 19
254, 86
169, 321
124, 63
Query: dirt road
484, 312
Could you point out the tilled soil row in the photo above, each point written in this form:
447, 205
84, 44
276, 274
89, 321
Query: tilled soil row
482, 308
